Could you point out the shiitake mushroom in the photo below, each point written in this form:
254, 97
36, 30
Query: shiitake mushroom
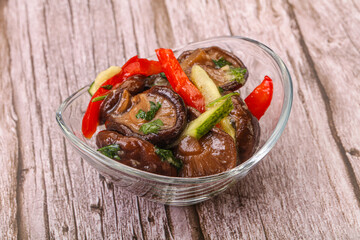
230, 75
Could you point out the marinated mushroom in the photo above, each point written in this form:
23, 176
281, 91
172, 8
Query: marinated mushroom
167, 123
150, 128
213, 153
247, 129
132, 85
226, 70
157, 80
192, 113
135, 152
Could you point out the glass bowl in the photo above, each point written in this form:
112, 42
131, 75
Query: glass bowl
260, 61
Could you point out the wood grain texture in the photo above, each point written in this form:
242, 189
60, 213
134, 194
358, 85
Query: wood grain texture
8, 140
306, 188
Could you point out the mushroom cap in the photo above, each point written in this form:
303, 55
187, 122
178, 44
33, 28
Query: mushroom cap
173, 114
136, 153
213, 153
247, 129
133, 85
204, 56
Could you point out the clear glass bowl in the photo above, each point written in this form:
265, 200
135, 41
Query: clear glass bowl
260, 61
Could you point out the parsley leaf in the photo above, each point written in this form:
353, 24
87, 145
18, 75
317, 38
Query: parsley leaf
221, 90
237, 74
141, 114
162, 74
151, 113
221, 62
168, 156
111, 151
99, 98
107, 87
151, 127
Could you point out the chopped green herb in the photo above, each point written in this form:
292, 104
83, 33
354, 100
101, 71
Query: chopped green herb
111, 151
237, 74
221, 90
151, 127
162, 74
108, 87
168, 156
99, 98
221, 62
149, 115
141, 114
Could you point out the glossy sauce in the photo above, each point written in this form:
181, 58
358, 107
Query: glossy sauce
166, 113
211, 154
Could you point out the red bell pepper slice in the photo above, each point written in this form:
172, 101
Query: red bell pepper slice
178, 79
133, 66
260, 98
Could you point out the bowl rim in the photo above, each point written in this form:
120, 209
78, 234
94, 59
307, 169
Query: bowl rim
240, 169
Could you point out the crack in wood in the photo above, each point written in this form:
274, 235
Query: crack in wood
51, 161
92, 40
226, 17
133, 28
19, 180
302, 99
75, 222
45, 206
82, 168
197, 222
261, 220
72, 55
67, 167
140, 219
123, 46
170, 227
37, 102
93, 51
115, 209
162, 24
66, 80
21, 230
114, 19
47, 42
101, 212
167, 232
326, 100
71, 16
66, 189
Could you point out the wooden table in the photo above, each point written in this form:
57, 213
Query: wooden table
307, 187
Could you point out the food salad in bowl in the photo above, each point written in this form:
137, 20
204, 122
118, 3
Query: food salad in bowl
181, 126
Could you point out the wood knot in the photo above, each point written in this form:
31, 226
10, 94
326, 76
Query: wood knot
151, 219
354, 152
98, 208
65, 229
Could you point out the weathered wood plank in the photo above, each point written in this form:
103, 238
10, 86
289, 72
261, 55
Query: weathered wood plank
275, 193
341, 47
28, 110
9, 142
51, 48
71, 207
